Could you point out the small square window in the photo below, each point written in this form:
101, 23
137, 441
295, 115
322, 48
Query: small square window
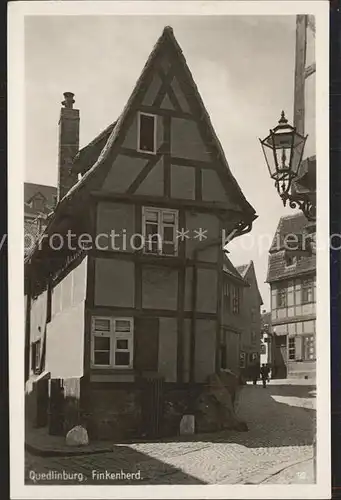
146, 136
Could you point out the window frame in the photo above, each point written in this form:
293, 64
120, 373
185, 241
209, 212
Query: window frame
138, 148
113, 335
305, 347
160, 230
305, 289
291, 348
282, 292
294, 261
236, 299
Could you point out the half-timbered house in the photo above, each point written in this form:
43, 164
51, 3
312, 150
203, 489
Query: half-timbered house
124, 287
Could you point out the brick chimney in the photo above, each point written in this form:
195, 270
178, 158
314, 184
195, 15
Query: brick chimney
68, 145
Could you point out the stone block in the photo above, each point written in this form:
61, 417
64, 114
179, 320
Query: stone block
78, 436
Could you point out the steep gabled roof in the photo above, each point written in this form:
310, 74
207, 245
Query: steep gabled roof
244, 270
92, 158
167, 40
88, 155
231, 271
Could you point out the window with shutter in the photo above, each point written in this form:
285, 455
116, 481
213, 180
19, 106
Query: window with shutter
160, 231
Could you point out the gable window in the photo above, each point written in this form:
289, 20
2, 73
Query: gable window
290, 261
281, 297
35, 359
38, 203
307, 291
146, 133
160, 230
112, 342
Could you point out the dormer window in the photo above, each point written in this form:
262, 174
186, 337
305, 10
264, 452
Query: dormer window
38, 203
290, 261
146, 133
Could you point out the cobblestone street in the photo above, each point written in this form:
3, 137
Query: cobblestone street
276, 449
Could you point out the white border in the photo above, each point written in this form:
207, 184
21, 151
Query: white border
16, 13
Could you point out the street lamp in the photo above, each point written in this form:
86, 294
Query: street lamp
283, 151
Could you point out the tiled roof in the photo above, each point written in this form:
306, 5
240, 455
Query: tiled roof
296, 224
277, 269
31, 189
30, 235
289, 225
87, 156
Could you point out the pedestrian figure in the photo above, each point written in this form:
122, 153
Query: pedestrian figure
255, 374
264, 371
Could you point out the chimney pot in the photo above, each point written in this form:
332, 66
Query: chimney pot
69, 100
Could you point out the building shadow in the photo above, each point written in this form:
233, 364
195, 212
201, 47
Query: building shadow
106, 469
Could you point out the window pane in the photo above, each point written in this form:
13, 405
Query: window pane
151, 229
122, 325
168, 233
102, 358
146, 133
122, 358
168, 249
122, 344
102, 343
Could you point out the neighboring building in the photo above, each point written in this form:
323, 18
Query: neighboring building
241, 321
266, 340
233, 320
251, 309
113, 326
292, 279
39, 202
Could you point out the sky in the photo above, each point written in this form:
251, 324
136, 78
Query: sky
243, 67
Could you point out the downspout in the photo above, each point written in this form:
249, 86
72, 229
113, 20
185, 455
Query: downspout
240, 229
